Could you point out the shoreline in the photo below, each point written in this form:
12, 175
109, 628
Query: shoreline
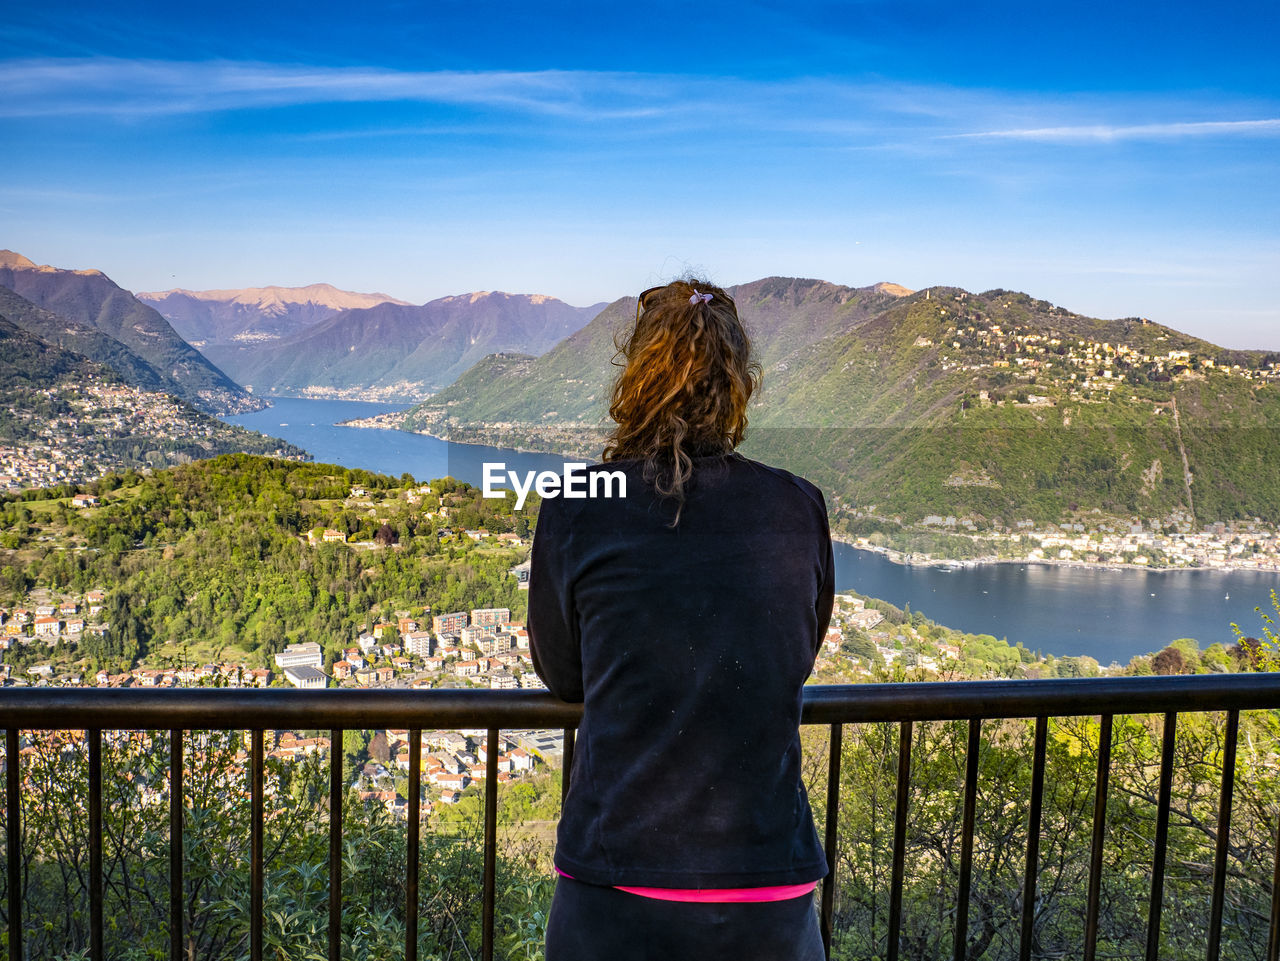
906, 559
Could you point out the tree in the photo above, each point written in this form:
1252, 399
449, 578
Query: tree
860, 646
1216, 658
1261, 653
1190, 651
1168, 661
933, 838
354, 742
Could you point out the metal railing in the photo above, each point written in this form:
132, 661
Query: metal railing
177, 711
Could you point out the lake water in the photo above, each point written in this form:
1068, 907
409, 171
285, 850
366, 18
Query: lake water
311, 424
1109, 615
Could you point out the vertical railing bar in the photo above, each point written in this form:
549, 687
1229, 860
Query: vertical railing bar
1273, 942
335, 844
1099, 836
570, 736
899, 837
1225, 798
255, 847
966, 844
95, 844
413, 851
490, 846
13, 817
832, 834
175, 845
1033, 839
1162, 836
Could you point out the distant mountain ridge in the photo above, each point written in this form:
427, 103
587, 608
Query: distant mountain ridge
988, 407
135, 334
392, 345
570, 383
205, 317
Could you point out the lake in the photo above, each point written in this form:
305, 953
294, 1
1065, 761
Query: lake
1106, 614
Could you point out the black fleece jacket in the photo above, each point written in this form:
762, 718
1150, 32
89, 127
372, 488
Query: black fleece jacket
689, 646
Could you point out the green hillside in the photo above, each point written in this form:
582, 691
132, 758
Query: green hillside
568, 387
992, 407
27, 361
83, 340
216, 554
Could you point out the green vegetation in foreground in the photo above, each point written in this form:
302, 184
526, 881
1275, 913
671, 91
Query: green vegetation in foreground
864, 856
212, 560
215, 910
295, 889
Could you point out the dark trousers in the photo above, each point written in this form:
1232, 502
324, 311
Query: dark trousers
593, 923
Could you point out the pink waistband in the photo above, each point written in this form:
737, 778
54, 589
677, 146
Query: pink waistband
776, 892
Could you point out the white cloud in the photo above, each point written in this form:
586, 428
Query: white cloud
813, 111
140, 88
1147, 131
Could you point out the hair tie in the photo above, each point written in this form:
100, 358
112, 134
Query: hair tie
699, 298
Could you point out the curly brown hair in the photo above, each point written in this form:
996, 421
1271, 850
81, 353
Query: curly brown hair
684, 389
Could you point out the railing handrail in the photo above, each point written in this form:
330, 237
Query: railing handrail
95, 709
378, 709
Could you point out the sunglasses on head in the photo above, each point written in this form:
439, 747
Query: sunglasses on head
644, 296
642, 306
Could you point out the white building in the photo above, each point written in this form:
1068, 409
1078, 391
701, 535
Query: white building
307, 654
306, 677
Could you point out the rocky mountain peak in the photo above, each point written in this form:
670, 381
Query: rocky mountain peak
9, 258
895, 290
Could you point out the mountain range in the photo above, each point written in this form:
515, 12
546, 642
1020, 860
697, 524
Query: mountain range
83, 310
937, 405
990, 407
276, 340
410, 350
255, 314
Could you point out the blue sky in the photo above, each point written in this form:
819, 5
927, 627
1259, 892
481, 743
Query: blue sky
1118, 159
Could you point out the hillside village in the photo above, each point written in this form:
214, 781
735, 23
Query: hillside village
480, 648
1172, 542
73, 433
484, 648
1080, 366
1017, 365
450, 762
459, 649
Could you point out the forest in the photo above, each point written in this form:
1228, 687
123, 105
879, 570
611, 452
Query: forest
214, 558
